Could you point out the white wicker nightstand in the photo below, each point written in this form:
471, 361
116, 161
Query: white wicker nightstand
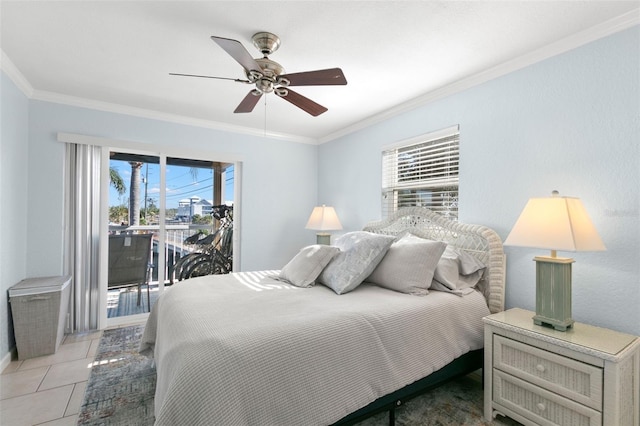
540, 376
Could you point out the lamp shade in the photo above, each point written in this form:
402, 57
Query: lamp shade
323, 218
555, 223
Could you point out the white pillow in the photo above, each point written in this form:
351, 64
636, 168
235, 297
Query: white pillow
305, 266
360, 253
408, 266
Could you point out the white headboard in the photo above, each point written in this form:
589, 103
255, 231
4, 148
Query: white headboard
480, 241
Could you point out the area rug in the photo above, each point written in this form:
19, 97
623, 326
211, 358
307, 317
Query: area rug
122, 383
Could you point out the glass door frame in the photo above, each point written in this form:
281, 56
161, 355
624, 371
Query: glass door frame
162, 155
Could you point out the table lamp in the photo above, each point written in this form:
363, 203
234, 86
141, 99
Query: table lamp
323, 218
554, 223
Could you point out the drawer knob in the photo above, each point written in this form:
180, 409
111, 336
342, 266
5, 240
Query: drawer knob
540, 406
540, 368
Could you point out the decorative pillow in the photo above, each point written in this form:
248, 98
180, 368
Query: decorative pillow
408, 266
305, 266
458, 271
360, 253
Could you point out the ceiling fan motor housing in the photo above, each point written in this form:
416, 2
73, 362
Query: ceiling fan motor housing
271, 70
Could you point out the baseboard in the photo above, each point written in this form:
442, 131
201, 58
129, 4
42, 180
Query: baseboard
6, 360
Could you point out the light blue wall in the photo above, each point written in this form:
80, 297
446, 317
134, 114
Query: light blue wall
570, 123
14, 114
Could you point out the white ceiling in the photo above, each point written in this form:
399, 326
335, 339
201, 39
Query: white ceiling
117, 55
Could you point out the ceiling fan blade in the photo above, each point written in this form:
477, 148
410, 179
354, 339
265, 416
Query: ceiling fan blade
208, 76
328, 77
248, 103
238, 52
302, 102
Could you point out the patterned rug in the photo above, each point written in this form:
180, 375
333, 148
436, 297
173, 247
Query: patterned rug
122, 383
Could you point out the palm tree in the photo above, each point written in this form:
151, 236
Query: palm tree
134, 193
116, 181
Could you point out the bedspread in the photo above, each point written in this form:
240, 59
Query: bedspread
245, 349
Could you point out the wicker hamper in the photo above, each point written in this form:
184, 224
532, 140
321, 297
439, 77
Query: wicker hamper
39, 308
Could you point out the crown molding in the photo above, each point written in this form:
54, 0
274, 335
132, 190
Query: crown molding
604, 29
15, 75
157, 115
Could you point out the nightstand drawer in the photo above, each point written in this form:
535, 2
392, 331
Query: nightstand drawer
573, 379
540, 406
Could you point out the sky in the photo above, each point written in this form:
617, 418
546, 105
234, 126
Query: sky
181, 184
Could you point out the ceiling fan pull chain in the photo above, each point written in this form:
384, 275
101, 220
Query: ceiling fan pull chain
265, 116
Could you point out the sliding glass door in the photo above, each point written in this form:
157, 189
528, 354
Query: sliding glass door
170, 219
199, 218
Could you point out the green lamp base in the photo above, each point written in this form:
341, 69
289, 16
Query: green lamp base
553, 292
323, 239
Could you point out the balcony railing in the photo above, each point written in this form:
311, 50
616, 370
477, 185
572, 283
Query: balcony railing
174, 248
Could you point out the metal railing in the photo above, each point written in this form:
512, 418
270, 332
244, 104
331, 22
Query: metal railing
174, 247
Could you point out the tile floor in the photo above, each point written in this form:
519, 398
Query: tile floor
48, 390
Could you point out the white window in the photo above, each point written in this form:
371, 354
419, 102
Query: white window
422, 171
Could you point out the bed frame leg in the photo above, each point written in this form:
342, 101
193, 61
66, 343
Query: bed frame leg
392, 417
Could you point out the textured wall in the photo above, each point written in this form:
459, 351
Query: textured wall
571, 123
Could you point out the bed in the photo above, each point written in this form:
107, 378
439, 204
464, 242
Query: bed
252, 348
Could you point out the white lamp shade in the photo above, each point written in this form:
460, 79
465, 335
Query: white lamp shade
555, 223
324, 218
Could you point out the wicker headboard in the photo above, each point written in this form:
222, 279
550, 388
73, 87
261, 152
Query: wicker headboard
480, 241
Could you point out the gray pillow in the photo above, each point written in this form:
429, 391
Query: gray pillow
457, 271
408, 266
360, 253
305, 266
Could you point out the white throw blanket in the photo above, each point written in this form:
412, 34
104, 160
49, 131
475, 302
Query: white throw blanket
245, 349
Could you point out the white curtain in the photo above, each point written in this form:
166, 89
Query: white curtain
82, 231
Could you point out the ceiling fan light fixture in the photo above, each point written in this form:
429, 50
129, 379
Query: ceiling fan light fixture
264, 85
254, 76
282, 81
281, 91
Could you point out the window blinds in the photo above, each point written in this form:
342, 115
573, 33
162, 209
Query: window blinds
422, 172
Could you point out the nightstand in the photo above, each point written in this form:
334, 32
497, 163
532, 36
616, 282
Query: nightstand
540, 376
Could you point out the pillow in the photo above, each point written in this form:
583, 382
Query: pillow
409, 265
305, 266
457, 270
360, 253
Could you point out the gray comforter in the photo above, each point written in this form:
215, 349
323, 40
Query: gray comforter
245, 349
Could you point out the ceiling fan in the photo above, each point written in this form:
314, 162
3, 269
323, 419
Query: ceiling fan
269, 76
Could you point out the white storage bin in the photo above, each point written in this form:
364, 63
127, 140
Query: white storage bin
39, 307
